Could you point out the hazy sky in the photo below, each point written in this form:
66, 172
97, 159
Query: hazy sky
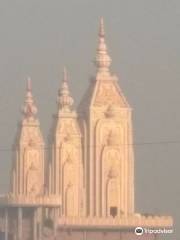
39, 37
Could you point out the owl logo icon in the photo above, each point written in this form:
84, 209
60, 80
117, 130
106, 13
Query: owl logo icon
139, 231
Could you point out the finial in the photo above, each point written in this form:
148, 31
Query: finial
101, 29
29, 84
65, 75
103, 60
65, 101
29, 110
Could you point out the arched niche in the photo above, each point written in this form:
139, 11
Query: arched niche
112, 197
70, 206
33, 186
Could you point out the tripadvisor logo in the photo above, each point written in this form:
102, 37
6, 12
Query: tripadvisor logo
139, 231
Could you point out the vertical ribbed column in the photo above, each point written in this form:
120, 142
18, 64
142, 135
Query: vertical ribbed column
20, 216
40, 215
55, 213
35, 224
6, 223
84, 235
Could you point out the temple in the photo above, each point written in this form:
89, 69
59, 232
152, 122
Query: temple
80, 186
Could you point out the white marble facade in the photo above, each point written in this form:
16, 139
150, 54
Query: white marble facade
88, 170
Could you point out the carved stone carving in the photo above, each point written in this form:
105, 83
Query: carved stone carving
67, 127
70, 201
33, 180
111, 161
112, 193
32, 157
107, 94
31, 134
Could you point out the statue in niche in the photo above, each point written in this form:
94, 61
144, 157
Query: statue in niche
69, 160
33, 183
68, 137
112, 199
112, 139
113, 172
69, 171
32, 155
111, 157
68, 149
70, 200
110, 111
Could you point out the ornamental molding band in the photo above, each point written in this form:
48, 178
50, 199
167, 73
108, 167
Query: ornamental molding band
82, 182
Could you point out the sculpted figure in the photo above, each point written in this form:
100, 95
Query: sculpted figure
33, 184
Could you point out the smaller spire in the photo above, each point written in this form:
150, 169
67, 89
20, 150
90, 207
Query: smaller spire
103, 60
101, 28
29, 110
65, 76
29, 84
65, 101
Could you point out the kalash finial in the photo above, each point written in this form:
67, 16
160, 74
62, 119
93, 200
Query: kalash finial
101, 29
65, 101
103, 60
65, 75
29, 110
29, 84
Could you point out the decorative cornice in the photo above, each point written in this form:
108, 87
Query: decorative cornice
11, 200
118, 222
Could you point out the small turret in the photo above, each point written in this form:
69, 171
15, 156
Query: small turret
29, 109
64, 101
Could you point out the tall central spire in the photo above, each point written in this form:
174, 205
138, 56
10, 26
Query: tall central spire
103, 60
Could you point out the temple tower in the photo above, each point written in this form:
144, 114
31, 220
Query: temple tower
107, 141
66, 169
28, 165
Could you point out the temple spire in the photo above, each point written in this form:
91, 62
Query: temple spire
29, 84
65, 101
65, 75
103, 60
101, 28
29, 109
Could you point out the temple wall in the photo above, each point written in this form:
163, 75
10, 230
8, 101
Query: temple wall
101, 235
12, 224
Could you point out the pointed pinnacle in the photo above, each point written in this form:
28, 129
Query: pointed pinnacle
101, 28
29, 84
29, 110
65, 77
103, 60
